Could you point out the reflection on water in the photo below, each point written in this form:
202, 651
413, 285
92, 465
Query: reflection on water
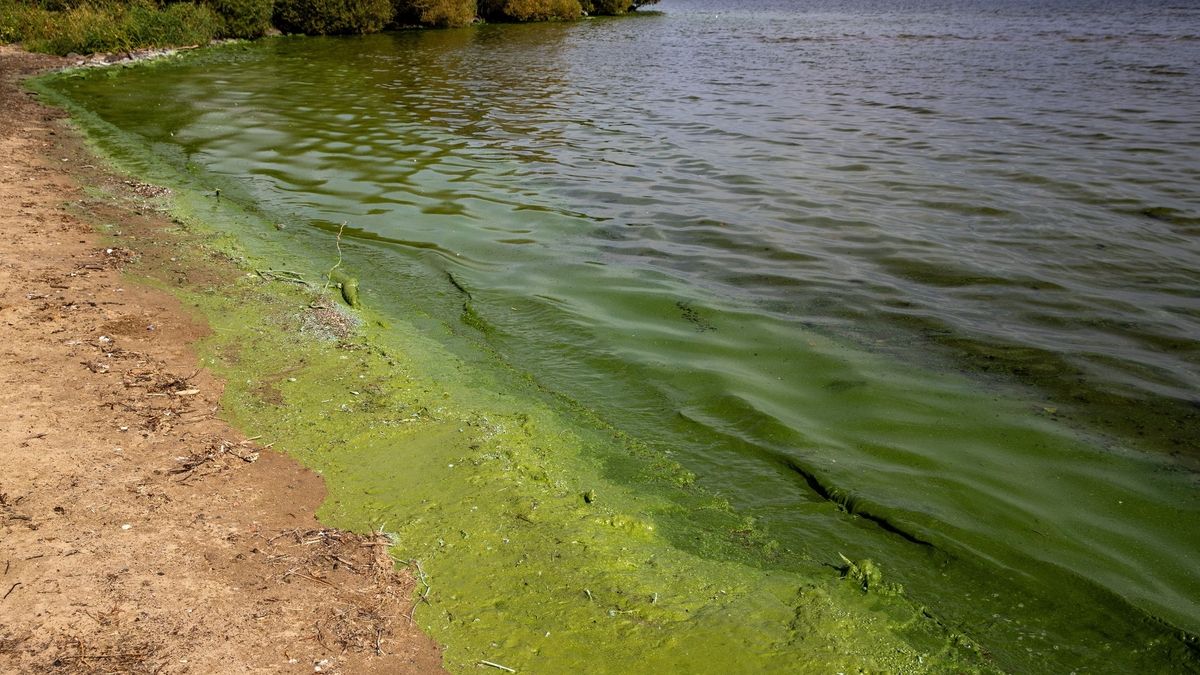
765, 238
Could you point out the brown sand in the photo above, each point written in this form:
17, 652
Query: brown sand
136, 534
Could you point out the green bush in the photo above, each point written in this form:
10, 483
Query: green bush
440, 13
58, 5
246, 19
598, 7
83, 30
109, 27
18, 21
177, 24
529, 10
333, 17
614, 7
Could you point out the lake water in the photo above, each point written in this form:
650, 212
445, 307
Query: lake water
914, 281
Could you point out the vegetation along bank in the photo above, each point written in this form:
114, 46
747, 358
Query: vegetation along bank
88, 26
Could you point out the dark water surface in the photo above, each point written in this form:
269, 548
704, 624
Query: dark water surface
917, 281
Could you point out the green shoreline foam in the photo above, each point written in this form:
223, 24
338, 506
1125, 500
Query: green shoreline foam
535, 557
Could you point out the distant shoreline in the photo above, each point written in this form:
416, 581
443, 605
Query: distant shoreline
122, 26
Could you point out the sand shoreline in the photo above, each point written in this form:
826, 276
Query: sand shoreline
139, 532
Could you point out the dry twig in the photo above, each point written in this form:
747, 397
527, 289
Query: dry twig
338, 243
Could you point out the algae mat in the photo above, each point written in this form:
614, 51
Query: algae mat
572, 434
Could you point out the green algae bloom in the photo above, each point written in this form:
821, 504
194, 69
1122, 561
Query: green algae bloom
555, 535
492, 485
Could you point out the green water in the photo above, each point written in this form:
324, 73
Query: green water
762, 318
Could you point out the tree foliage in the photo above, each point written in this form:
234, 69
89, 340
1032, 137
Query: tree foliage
607, 6
614, 7
85, 26
437, 13
333, 17
530, 10
244, 18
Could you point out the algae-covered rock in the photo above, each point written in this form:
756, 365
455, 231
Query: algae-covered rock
868, 575
348, 286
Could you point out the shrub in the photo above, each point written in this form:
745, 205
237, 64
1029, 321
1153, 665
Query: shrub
440, 13
177, 24
19, 21
12, 22
530, 10
614, 7
244, 18
57, 5
333, 17
111, 27
83, 30
598, 7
